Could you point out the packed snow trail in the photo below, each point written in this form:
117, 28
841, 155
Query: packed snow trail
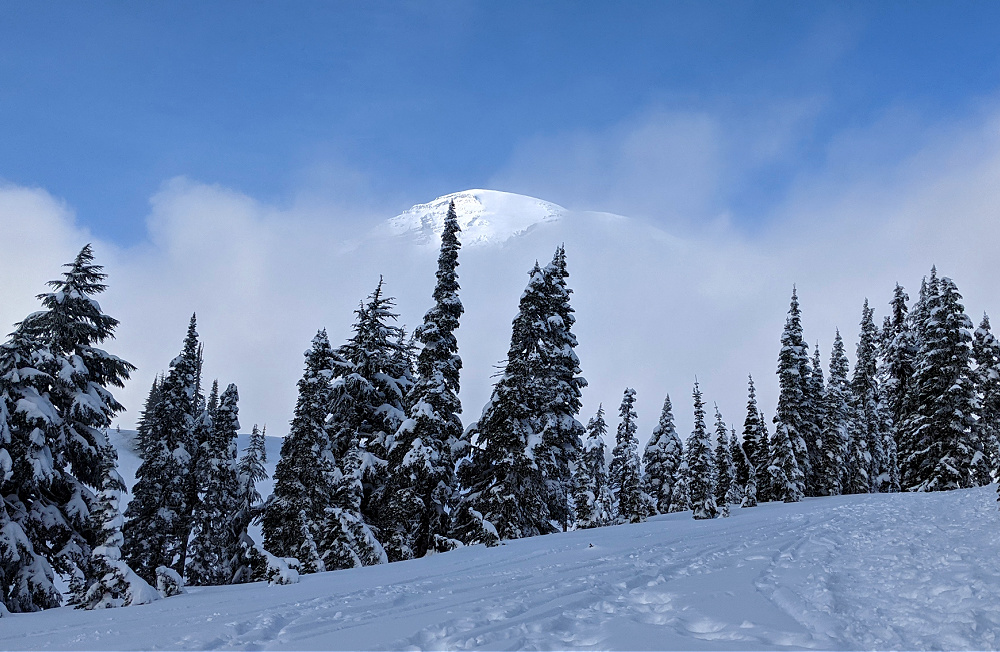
897, 571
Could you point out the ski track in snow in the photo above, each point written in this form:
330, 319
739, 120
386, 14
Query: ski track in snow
854, 572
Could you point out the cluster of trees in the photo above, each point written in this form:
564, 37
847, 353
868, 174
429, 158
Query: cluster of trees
377, 467
193, 500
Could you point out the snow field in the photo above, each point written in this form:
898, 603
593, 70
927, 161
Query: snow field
896, 571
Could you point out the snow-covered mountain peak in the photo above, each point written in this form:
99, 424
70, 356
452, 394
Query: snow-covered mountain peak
486, 216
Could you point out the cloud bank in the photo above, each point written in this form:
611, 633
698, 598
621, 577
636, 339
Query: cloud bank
658, 301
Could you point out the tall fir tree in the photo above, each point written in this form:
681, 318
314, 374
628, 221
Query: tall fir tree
625, 472
374, 376
786, 476
249, 471
592, 495
837, 425
504, 494
793, 412
662, 459
755, 444
942, 425
896, 362
158, 524
558, 403
700, 465
295, 514
869, 422
215, 534
725, 470
741, 468
421, 463
986, 354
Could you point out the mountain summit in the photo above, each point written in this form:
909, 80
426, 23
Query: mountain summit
486, 217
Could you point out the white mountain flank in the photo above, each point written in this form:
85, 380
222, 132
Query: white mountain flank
486, 217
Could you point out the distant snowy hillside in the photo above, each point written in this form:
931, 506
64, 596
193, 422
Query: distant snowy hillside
883, 571
486, 216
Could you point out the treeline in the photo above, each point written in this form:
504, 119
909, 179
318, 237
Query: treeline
377, 466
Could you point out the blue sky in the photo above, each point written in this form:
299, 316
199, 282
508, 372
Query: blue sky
388, 104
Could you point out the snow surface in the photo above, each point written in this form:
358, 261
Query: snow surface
897, 571
486, 217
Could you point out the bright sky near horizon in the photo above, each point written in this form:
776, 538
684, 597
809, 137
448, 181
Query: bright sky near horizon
385, 104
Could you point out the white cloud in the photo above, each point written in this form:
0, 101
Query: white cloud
654, 309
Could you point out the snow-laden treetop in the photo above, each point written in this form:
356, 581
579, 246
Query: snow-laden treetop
486, 217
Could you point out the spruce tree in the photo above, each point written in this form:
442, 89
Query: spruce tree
592, 495
741, 466
986, 354
560, 385
114, 583
786, 476
158, 523
700, 465
895, 374
26, 576
421, 466
945, 398
56, 386
869, 422
346, 541
817, 403
374, 376
837, 425
215, 536
725, 470
755, 444
662, 458
504, 493
793, 412
625, 473
249, 471
296, 512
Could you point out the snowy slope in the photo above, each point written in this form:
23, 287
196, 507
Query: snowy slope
896, 571
486, 217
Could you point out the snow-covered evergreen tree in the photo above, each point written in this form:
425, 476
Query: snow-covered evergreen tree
158, 522
942, 424
114, 583
741, 468
296, 512
786, 476
793, 412
346, 541
55, 386
986, 353
895, 378
26, 576
661, 459
504, 494
700, 465
836, 430
869, 422
560, 384
249, 471
373, 377
755, 444
421, 464
215, 535
625, 474
725, 469
594, 501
